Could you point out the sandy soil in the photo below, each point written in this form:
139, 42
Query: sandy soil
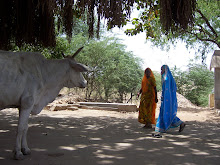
94, 137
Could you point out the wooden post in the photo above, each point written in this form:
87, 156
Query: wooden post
211, 101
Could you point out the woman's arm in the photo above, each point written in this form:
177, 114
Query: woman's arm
155, 89
140, 91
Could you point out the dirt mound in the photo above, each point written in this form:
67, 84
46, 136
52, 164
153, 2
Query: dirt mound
69, 98
182, 101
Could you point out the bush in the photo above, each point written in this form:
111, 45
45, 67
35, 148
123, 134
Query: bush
195, 84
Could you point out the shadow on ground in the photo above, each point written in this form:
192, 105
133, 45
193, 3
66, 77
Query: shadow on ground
108, 140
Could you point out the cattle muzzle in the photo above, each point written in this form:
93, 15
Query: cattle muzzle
83, 84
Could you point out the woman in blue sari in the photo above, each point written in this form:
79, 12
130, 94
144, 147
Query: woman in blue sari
168, 109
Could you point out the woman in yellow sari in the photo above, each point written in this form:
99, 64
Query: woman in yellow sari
148, 100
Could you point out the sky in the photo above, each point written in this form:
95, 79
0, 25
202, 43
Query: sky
154, 57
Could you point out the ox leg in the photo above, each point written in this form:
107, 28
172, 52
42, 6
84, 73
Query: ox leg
21, 135
21, 147
24, 146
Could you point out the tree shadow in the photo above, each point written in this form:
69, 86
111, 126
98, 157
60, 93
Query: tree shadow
108, 140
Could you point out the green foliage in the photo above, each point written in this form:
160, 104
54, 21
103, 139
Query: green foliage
30, 48
204, 35
158, 80
129, 74
195, 84
62, 47
181, 80
114, 72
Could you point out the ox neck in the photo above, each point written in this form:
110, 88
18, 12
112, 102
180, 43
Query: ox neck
55, 72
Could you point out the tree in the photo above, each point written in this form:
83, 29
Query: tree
203, 34
195, 84
33, 21
181, 80
201, 83
158, 80
114, 72
129, 75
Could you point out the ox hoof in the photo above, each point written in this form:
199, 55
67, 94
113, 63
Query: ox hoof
26, 151
18, 156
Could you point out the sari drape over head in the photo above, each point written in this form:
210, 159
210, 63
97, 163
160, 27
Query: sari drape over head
147, 103
168, 109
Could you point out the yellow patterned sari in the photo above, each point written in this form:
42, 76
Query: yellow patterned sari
147, 103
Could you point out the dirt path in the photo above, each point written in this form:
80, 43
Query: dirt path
93, 137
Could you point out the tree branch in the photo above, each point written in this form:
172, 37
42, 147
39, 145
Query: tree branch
205, 31
207, 22
204, 39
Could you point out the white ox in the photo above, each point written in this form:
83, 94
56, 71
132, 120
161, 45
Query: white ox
29, 82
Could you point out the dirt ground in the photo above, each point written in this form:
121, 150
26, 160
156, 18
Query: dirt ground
95, 137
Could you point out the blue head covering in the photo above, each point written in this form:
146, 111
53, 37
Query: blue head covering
168, 110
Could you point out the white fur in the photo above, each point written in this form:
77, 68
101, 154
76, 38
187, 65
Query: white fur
29, 82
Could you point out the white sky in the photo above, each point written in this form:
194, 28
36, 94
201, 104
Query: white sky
154, 57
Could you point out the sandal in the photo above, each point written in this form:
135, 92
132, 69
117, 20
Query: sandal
182, 126
156, 135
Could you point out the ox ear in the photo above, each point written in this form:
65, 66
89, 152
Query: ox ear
79, 67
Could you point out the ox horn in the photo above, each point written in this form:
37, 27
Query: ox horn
74, 55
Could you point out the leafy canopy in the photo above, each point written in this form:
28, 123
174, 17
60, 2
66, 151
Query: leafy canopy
114, 71
203, 34
35, 21
195, 84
